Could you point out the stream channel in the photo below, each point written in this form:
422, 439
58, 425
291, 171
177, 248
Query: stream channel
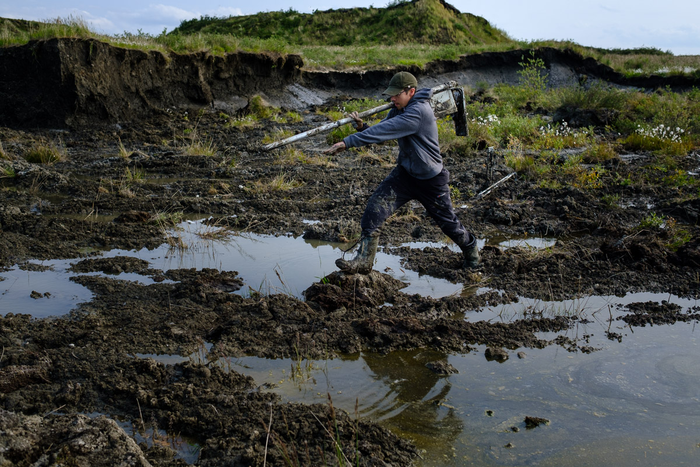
634, 400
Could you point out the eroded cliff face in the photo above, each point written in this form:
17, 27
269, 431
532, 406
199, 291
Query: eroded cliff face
74, 82
77, 82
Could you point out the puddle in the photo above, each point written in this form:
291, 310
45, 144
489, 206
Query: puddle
266, 264
55, 293
48, 290
271, 264
529, 243
632, 402
524, 242
185, 448
198, 356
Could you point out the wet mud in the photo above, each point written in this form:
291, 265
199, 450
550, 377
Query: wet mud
64, 380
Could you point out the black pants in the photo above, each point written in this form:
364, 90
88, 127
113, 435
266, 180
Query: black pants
399, 187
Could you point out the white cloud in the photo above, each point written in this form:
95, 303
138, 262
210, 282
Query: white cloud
153, 18
223, 11
160, 12
97, 24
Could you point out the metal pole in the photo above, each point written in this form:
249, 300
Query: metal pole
488, 190
326, 127
343, 121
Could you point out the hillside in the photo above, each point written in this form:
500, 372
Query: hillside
10, 26
417, 21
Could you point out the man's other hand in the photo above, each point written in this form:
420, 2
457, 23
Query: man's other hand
337, 147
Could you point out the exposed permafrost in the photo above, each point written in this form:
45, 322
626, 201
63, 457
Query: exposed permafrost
83, 82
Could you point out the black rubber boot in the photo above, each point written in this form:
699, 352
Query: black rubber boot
471, 255
363, 261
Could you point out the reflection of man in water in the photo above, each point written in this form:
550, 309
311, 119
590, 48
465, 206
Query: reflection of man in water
412, 405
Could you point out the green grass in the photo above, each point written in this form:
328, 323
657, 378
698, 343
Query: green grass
45, 152
200, 147
560, 136
164, 218
518, 120
289, 155
598, 152
659, 139
121, 149
652, 221
4, 154
134, 176
258, 110
278, 183
422, 21
406, 33
7, 172
278, 134
16, 32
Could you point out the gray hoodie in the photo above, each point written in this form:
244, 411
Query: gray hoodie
415, 128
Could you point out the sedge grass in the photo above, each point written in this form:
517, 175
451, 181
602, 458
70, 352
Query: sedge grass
43, 152
4, 155
293, 156
278, 183
200, 147
121, 149
7, 172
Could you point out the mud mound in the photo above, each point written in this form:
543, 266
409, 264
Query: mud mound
63, 439
652, 313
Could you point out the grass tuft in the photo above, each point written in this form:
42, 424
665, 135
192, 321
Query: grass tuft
43, 152
278, 183
4, 155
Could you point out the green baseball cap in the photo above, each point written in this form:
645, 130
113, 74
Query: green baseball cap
399, 82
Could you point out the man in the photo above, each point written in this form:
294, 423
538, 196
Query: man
419, 173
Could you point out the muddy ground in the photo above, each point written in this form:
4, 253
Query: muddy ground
54, 372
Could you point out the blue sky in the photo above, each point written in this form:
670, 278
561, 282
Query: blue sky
669, 25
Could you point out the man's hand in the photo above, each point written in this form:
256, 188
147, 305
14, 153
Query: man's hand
358, 121
335, 148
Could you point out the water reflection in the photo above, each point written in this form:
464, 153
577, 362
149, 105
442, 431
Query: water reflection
414, 401
633, 401
642, 391
267, 264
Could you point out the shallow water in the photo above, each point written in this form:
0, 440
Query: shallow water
266, 264
63, 295
631, 402
184, 448
634, 401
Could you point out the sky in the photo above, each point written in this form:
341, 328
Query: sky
670, 25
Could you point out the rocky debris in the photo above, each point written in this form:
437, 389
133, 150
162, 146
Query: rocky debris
441, 367
534, 422
498, 355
